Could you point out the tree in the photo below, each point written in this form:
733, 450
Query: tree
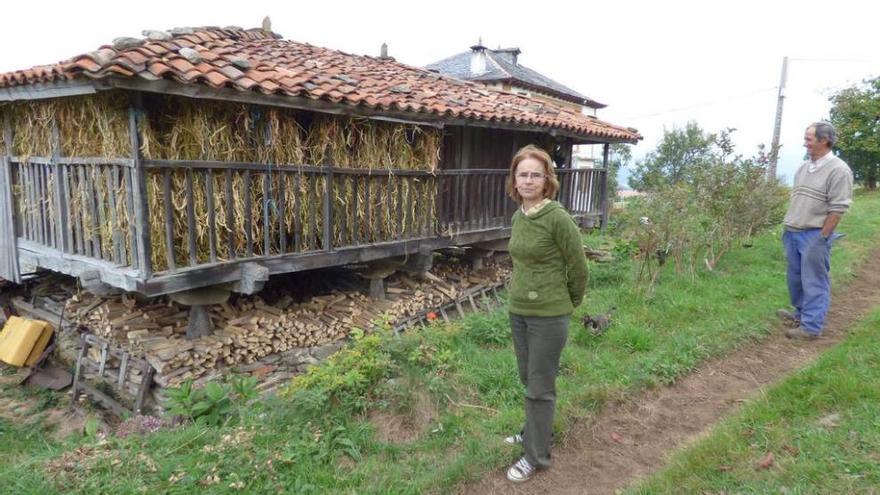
679, 155
856, 115
620, 156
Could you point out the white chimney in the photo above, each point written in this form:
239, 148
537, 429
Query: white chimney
478, 59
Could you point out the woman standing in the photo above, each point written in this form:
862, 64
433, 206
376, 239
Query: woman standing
549, 280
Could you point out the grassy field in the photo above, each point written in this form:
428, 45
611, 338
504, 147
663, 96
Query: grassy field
820, 426
427, 411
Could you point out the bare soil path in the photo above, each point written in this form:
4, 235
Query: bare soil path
631, 439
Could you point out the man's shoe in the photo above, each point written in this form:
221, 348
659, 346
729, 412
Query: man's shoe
514, 439
521, 471
788, 318
801, 333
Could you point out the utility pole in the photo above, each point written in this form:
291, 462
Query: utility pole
777, 125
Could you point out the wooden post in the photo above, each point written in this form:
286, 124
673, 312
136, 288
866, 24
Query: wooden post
8, 249
139, 191
328, 205
604, 187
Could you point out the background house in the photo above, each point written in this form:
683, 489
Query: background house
500, 69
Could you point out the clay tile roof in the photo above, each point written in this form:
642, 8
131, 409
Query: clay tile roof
259, 61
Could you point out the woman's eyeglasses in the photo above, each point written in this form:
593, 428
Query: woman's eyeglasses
530, 175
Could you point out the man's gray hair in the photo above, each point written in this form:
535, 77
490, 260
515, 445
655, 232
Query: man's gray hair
825, 132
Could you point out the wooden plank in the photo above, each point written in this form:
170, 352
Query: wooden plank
485, 200
27, 199
328, 209
340, 218
222, 272
147, 374
383, 215
413, 226
132, 220
267, 203
83, 210
104, 399
353, 210
169, 220
43, 204
91, 192
230, 217
139, 192
118, 235
102, 211
78, 160
604, 187
116, 248
402, 208
281, 212
265, 168
212, 216
440, 202
22, 199
368, 234
32, 204
423, 209
191, 219
297, 208
9, 268
39, 203
65, 179
312, 239
464, 202
497, 195
248, 216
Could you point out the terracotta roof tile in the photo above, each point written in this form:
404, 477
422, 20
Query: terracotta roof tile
180, 64
277, 66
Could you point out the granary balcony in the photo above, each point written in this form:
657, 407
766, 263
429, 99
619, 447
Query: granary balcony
98, 217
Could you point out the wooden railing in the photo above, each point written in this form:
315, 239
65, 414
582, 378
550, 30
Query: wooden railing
77, 206
196, 213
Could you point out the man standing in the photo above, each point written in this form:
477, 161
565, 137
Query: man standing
822, 193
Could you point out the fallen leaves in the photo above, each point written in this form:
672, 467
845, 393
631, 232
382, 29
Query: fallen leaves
766, 462
616, 437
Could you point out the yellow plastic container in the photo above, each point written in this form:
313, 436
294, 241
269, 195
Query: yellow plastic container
18, 338
40, 344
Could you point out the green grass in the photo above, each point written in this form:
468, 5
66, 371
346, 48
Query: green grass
318, 438
821, 425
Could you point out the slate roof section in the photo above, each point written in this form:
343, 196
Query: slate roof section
253, 60
501, 69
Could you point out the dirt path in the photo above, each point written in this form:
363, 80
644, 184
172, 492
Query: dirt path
629, 440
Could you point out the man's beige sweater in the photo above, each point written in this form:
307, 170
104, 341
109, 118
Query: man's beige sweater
816, 194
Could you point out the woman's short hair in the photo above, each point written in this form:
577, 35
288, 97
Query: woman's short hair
551, 183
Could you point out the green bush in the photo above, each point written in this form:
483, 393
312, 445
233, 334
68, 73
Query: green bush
215, 403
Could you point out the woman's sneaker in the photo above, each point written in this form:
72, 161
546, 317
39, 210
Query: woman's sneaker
514, 439
521, 471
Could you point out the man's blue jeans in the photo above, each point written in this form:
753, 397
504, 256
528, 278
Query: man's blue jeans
809, 285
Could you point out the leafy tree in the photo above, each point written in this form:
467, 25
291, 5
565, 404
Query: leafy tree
679, 155
856, 115
620, 156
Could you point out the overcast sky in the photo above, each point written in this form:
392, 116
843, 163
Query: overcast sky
655, 64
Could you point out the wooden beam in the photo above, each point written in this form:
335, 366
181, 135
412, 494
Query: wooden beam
230, 271
40, 91
61, 215
604, 187
139, 191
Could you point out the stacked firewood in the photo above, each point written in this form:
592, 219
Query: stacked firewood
247, 329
